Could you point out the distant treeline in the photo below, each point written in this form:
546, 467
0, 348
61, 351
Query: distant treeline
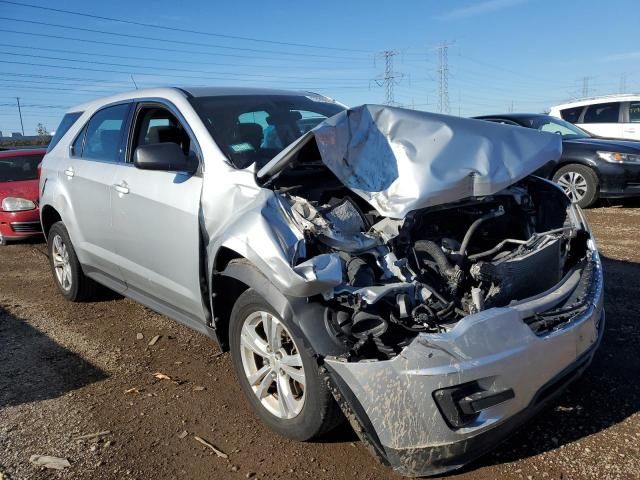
22, 142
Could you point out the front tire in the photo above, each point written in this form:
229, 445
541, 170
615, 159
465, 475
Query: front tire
278, 375
579, 182
66, 269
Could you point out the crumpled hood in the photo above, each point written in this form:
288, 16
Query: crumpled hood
401, 160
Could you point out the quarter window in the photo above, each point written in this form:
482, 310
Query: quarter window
634, 112
67, 121
602, 113
571, 114
104, 133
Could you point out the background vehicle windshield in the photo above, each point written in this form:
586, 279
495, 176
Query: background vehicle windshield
555, 125
255, 128
24, 167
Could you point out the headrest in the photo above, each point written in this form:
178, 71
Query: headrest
163, 134
250, 133
288, 117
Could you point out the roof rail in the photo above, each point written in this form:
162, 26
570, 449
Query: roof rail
601, 97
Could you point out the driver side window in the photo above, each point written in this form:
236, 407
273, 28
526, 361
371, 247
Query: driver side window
155, 124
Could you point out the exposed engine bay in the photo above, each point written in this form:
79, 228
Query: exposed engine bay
425, 272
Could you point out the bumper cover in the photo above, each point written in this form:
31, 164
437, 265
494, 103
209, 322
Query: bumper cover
392, 402
617, 181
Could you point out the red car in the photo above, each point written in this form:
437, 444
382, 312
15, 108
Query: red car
19, 213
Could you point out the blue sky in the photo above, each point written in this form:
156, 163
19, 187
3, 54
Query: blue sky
503, 54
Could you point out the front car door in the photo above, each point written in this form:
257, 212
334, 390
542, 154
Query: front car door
603, 120
88, 172
156, 219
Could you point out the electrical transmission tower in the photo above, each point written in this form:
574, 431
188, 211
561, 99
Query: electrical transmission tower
443, 78
585, 86
390, 78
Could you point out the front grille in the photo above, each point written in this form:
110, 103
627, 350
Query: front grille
26, 227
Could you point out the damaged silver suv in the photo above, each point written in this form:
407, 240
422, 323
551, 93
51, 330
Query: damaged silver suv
399, 268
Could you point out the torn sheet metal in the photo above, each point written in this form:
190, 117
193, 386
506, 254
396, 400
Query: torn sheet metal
400, 160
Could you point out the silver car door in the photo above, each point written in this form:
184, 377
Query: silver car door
88, 173
156, 220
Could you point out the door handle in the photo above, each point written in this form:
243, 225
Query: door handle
121, 188
630, 130
69, 172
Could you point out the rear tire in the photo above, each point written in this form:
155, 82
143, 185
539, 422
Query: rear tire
579, 182
74, 285
279, 377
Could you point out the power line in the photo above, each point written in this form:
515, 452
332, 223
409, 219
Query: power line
176, 29
124, 65
159, 74
146, 58
165, 49
183, 42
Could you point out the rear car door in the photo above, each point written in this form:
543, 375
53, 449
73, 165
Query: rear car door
156, 217
631, 125
603, 120
88, 171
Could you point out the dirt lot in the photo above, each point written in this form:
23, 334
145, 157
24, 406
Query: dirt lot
68, 370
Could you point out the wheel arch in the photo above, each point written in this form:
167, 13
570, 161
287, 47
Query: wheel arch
565, 162
48, 216
233, 274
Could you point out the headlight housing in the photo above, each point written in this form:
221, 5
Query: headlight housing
17, 204
616, 157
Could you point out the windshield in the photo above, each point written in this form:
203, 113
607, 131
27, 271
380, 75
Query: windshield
555, 125
24, 167
255, 128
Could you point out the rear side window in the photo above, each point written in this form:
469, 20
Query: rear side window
602, 113
103, 137
67, 121
571, 114
634, 112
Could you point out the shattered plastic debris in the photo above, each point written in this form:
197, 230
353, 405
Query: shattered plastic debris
161, 376
46, 461
154, 340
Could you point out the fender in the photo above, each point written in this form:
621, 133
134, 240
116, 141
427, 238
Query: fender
303, 315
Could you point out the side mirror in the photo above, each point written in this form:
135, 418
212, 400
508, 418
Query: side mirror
162, 156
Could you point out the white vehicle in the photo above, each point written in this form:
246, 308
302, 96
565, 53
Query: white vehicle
611, 116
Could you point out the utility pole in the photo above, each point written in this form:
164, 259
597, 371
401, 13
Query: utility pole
20, 113
443, 78
390, 77
623, 82
585, 86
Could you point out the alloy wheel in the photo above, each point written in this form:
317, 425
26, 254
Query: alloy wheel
61, 264
272, 365
574, 185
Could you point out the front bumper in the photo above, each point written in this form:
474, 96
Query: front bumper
394, 403
619, 180
19, 225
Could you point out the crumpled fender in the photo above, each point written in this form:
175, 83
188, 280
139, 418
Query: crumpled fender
305, 318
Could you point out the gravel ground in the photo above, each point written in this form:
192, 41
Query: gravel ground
68, 370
